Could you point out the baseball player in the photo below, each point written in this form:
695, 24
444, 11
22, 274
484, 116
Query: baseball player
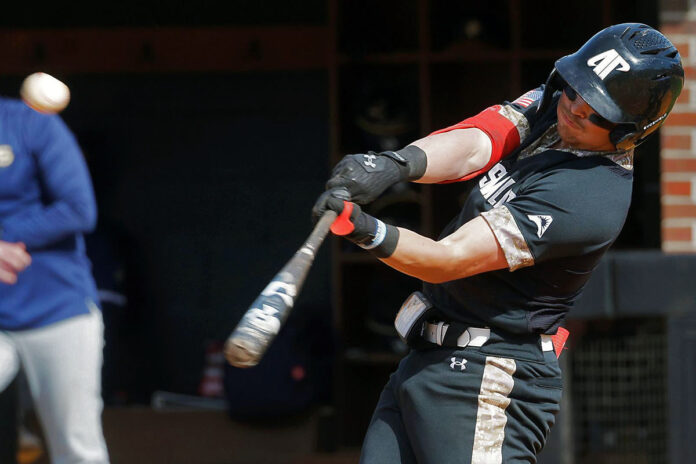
50, 324
552, 175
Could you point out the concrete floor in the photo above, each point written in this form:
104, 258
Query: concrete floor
142, 435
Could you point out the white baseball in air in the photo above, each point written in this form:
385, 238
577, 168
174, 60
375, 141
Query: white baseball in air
45, 93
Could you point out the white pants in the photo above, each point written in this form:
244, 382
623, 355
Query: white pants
62, 363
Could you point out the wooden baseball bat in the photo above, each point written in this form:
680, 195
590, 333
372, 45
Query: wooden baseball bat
266, 315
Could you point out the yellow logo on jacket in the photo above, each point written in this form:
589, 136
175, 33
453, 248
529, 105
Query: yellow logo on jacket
6, 156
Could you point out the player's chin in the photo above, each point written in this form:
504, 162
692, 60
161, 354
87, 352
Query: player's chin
572, 138
566, 133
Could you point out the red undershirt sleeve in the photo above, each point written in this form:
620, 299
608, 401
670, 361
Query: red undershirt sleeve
500, 123
502, 132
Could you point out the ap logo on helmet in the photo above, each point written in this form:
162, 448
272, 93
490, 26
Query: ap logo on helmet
606, 62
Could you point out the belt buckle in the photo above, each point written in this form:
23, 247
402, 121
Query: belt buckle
440, 332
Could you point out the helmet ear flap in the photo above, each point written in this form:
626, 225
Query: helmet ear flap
623, 137
553, 83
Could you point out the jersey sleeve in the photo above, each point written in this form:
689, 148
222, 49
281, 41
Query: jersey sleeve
68, 204
506, 125
564, 214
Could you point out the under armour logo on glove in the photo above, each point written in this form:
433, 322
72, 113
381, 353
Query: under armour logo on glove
461, 364
369, 161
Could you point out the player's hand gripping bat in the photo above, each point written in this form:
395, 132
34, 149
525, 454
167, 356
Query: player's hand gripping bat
266, 315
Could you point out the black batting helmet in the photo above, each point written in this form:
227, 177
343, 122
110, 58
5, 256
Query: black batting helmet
630, 74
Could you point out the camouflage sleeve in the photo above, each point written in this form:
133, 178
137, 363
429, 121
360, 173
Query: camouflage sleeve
509, 237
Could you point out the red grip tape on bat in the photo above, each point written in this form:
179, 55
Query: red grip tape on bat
342, 224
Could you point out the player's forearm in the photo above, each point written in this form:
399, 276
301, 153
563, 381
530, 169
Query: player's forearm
455, 154
419, 257
69, 204
470, 250
41, 226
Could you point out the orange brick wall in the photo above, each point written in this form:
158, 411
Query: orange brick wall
678, 141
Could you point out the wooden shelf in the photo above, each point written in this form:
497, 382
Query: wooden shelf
381, 58
470, 54
164, 49
463, 54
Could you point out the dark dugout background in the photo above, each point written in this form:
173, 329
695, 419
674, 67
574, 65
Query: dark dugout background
204, 182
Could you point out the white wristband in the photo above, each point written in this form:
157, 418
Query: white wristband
379, 236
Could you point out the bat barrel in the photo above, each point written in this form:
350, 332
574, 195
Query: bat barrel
266, 315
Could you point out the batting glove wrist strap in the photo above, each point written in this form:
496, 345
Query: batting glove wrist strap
413, 158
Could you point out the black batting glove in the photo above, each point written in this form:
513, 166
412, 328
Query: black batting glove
320, 206
362, 229
367, 176
352, 222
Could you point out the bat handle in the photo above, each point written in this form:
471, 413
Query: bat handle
323, 224
315, 239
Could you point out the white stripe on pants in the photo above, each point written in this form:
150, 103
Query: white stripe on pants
62, 363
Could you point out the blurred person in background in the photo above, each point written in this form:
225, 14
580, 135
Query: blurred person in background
13, 259
50, 322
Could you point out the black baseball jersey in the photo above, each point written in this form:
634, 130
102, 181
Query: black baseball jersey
554, 213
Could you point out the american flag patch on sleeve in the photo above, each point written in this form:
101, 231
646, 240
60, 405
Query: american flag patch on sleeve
528, 98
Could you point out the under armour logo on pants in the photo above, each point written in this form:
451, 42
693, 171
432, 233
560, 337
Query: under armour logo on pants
461, 364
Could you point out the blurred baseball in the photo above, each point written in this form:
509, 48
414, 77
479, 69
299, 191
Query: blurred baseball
45, 93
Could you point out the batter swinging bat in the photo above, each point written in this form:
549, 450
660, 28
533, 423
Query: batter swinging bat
263, 320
